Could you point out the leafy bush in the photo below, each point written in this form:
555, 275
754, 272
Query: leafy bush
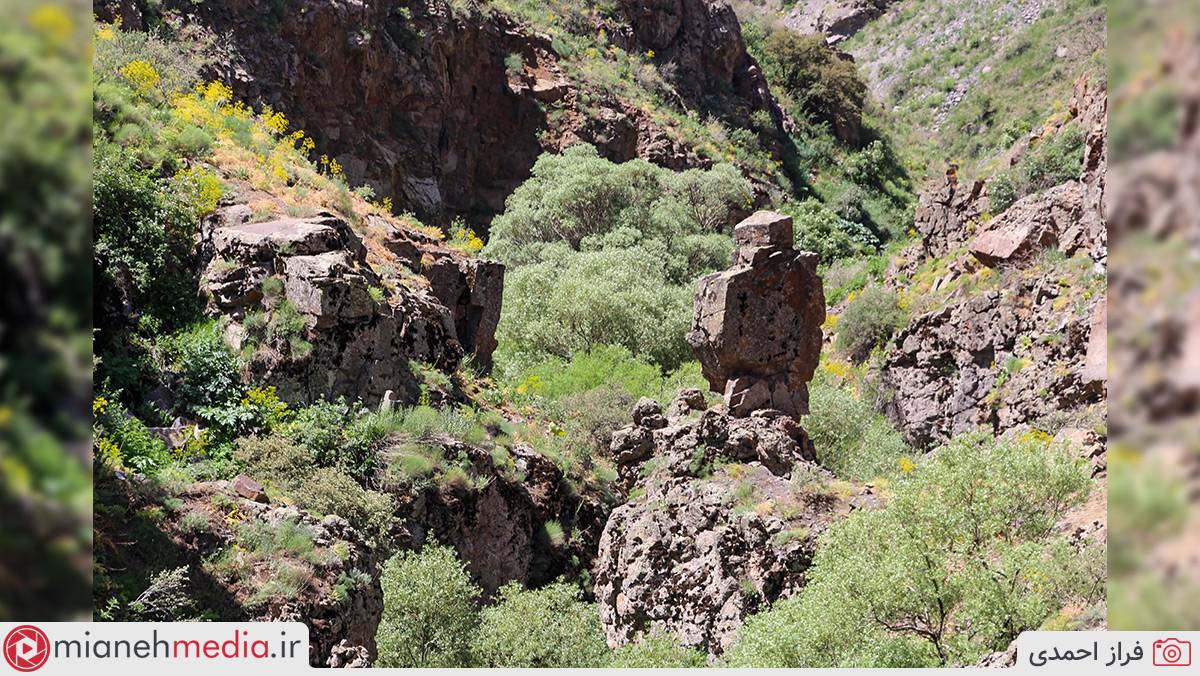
962, 558
1050, 162
542, 628
605, 253
122, 440
207, 369
143, 233
329, 490
428, 610
869, 320
827, 88
851, 439
617, 296
656, 652
819, 230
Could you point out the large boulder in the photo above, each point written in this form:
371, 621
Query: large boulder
756, 327
1034, 223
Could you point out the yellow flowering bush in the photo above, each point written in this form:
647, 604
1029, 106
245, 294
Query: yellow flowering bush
142, 76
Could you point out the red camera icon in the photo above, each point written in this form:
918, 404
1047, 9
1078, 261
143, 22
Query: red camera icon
1172, 652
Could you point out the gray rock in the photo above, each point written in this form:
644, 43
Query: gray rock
756, 327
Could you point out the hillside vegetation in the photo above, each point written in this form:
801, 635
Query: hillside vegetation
454, 501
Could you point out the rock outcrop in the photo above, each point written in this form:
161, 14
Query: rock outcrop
756, 327
835, 19
315, 319
495, 523
952, 213
696, 550
947, 213
998, 359
1030, 226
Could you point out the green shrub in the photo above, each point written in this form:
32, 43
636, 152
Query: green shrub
123, 440
429, 613
143, 236
868, 321
962, 557
604, 253
329, 490
617, 296
656, 652
1050, 162
851, 439
818, 229
542, 628
273, 459
827, 88
208, 372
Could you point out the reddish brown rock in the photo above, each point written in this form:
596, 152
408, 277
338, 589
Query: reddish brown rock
472, 289
250, 489
757, 326
947, 212
1029, 226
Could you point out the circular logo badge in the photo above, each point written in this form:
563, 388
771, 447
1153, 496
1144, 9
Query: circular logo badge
26, 648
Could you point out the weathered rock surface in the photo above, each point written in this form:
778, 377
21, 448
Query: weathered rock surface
756, 327
1031, 225
948, 212
472, 289
357, 336
696, 551
999, 359
1069, 217
495, 524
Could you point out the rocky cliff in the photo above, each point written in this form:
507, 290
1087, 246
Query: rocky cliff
1014, 334
445, 106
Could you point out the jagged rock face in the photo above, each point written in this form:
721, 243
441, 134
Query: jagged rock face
1069, 216
416, 100
472, 289
360, 346
835, 19
756, 327
947, 213
704, 39
496, 528
943, 369
682, 557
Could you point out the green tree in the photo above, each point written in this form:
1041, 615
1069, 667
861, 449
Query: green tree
428, 610
826, 87
548, 627
605, 253
961, 559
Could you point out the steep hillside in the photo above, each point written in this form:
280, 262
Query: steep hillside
444, 107
964, 80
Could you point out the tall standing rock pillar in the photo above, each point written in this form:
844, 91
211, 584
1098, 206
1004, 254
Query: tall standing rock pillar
756, 327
